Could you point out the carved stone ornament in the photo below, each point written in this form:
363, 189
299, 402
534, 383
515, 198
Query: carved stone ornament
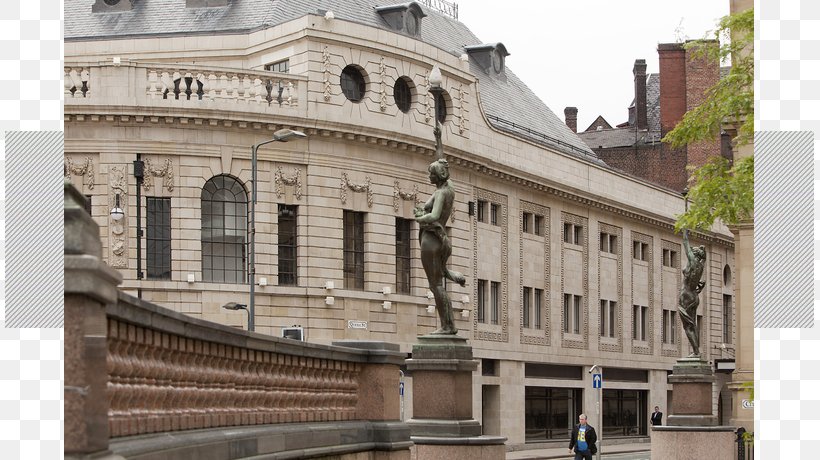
428, 101
280, 181
383, 91
398, 194
462, 119
166, 172
118, 240
346, 184
326, 67
85, 169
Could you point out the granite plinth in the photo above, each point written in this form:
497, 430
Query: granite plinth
438, 428
467, 448
692, 380
693, 443
442, 367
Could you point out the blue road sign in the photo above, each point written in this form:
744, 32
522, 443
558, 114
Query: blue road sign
596, 380
401, 388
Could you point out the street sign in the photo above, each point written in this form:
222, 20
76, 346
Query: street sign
747, 404
352, 324
401, 388
596, 380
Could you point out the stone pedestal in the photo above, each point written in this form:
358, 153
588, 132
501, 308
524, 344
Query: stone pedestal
443, 425
692, 432
692, 380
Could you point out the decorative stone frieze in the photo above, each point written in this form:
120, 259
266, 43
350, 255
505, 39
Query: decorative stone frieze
118, 235
166, 172
84, 168
326, 70
279, 181
399, 194
382, 86
347, 185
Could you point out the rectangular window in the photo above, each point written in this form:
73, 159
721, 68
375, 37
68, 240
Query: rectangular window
603, 319
603, 245
549, 412
608, 316
612, 317
495, 287
670, 258
573, 234
727, 318
608, 243
494, 208
287, 245
539, 225
88, 204
481, 213
526, 224
403, 236
673, 327
158, 238
537, 299
613, 244
572, 313
526, 304
280, 66
353, 250
639, 322
482, 301
579, 234
665, 327
640, 251
568, 234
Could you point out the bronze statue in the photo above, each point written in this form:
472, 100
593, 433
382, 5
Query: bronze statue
435, 245
692, 286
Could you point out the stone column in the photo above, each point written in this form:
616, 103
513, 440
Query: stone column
443, 425
89, 286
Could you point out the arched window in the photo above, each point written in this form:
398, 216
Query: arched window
224, 230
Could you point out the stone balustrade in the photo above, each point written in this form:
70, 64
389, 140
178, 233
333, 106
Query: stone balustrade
242, 87
76, 82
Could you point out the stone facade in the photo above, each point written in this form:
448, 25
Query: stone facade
371, 157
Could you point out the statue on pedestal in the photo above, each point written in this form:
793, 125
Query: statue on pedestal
435, 244
692, 286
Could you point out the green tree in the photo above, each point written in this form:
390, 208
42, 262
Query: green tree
718, 189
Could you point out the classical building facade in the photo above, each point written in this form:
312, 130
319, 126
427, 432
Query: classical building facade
569, 262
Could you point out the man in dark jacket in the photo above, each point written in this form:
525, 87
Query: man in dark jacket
657, 417
583, 439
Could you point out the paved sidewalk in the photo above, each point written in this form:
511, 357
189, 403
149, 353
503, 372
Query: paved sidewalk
563, 453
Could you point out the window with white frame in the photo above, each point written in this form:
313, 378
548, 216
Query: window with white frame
669, 331
573, 234
640, 251
572, 314
608, 243
608, 318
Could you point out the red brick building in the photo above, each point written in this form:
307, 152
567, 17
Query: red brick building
660, 102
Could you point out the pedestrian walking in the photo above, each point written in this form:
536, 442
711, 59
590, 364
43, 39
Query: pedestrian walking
583, 439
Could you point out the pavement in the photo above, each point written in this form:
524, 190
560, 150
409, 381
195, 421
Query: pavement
563, 453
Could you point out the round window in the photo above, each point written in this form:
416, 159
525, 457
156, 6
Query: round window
411, 22
111, 2
441, 106
727, 276
498, 61
402, 94
353, 84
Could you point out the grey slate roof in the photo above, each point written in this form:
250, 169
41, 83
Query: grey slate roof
625, 137
509, 103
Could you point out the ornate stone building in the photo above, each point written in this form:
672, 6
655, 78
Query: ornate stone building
569, 262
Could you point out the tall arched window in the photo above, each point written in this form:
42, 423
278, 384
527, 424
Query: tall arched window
224, 230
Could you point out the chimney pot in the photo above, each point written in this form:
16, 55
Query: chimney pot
571, 117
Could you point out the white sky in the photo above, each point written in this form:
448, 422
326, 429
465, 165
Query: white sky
581, 52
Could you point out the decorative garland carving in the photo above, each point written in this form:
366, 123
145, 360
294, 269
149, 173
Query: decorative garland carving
346, 184
326, 67
166, 172
462, 119
279, 180
619, 306
428, 102
383, 92
545, 306
118, 235
406, 196
86, 169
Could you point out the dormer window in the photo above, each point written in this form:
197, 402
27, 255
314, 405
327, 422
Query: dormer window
404, 17
489, 56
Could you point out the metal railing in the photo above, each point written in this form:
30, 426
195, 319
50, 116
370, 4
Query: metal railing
512, 127
443, 7
745, 445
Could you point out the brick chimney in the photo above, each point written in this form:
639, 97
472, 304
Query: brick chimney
639, 70
672, 59
571, 117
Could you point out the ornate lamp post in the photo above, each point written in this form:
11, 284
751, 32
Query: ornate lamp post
435, 88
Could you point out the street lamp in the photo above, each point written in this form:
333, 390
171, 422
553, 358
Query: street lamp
435, 87
117, 213
239, 306
283, 135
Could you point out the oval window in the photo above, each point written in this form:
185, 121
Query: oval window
353, 84
402, 94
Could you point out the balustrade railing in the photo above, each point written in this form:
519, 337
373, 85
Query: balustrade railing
76, 82
240, 87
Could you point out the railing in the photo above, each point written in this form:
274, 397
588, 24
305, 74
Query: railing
75, 81
240, 87
442, 6
541, 137
745, 445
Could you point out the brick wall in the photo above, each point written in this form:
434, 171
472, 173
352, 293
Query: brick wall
659, 163
701, 74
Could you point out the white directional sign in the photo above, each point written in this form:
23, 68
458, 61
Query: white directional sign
352, 324
596, 380
747, 404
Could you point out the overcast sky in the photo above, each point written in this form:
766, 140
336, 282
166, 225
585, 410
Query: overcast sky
581, 52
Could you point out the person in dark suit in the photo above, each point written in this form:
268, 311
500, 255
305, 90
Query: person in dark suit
583, 439
657, 417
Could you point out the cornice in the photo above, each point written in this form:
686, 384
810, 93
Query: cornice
169, 116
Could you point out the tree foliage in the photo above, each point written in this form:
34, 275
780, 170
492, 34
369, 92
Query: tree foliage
718, 189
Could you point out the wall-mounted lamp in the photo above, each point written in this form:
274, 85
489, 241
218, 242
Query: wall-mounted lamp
386, 290
263, 281
387, 304
330, 300
329, 285
465, 313
431, 308
191, 278
117, 213
430, 294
